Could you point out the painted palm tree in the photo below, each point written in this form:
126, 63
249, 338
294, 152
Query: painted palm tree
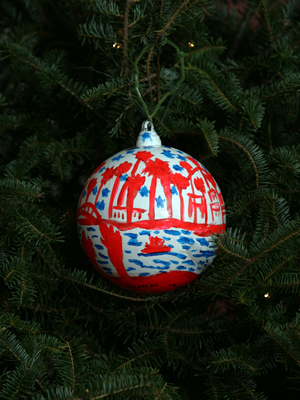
106, 176
120, 170
159, 169
140, 156
135, 183
181, 182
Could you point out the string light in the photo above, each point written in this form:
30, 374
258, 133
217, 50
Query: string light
116, 45
267, 295
191, 44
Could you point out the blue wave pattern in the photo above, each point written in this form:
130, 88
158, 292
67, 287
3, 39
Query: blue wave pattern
188, 252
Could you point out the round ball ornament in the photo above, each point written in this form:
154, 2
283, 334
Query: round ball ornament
147, 215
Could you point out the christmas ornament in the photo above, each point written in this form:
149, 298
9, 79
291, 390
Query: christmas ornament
147, 216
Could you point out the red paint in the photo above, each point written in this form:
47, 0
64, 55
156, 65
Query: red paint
85, 217
90, 188
141, 156
113, 242
159, 283
181, 183
156, 245
120, 170
200, 186
159, 169
134, 185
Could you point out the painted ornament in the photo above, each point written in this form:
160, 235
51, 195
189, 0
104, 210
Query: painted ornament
147, 215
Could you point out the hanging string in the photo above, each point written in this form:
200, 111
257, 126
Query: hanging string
181, 57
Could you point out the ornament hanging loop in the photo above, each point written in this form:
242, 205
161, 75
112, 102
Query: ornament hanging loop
181, 56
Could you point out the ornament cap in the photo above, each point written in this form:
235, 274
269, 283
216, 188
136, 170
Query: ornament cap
148, 137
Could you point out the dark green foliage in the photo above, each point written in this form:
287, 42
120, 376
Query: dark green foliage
68, 102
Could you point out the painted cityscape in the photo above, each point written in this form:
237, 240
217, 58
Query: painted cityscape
146, 218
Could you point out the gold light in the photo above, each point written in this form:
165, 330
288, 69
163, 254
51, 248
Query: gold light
116, 45
267, 295
191, 44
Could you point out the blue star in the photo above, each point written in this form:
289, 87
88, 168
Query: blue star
95, 190
167, 153
105, 192
123, 177
177, 167
102, 169
181, 157
117, 158
174, 190
144, 191
100, 205
159, 202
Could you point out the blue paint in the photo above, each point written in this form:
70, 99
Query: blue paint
172, 232
180, 267
103, 256
185, 240
181, 157
201, 262
146, 135
131, 150
117, 158
123, 177
177, 167
170, 245
161, 262
203, 242
100, 170
84, 194
134, 242
174, 262
144, 273
156, 232
159, 202
166, 238
189, 262
145, 233
167, 153
162, 268
105, 192
131, 235
128, 251
169, 253
191, 269
148, 147
207, 253
99, 247
186, 232
106, 268
95, 190
91, 229
100, 205
174, 190
137, 262
102, 262
94, 236
130, 269
144, 191
185, 247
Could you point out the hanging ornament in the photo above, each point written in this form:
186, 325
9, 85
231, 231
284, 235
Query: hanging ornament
147, 216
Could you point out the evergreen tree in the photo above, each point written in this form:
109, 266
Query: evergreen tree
68, 102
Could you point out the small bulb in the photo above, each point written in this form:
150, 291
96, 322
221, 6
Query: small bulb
191, 44
267, 295
116, 45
